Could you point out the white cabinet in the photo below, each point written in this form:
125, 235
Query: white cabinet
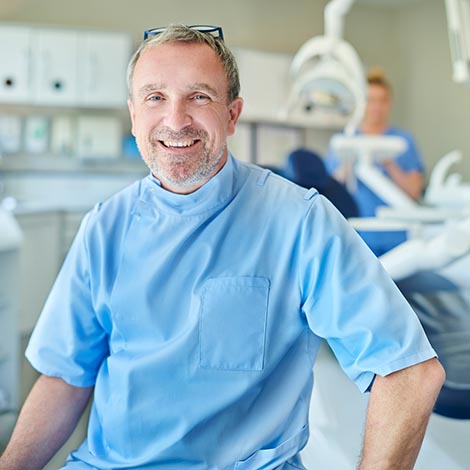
40, 260
10, 240
54, 60
62, 67
103, 59
264, 83
14, 64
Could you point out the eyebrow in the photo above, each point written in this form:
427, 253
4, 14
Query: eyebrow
144, 90
205, 87
153, 87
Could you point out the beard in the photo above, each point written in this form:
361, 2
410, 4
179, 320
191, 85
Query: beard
186, 170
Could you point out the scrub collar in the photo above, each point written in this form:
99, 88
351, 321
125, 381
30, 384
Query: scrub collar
217, 191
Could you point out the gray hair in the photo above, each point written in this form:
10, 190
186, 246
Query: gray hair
182, 33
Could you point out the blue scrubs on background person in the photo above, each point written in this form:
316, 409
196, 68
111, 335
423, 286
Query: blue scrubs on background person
198, 317
405, 170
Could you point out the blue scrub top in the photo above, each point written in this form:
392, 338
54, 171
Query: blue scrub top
198, 319
367, 201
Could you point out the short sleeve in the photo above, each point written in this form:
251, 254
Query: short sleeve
411, 159
68, 341
350, 300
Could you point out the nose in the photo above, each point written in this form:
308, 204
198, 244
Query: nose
177, 115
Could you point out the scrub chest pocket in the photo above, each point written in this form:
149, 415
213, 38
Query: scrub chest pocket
233, 320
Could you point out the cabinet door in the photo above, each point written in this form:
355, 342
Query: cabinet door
9, 335
14, 60
103, 59
39, 262
54, 54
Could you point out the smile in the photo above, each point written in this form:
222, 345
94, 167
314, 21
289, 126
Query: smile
178, 144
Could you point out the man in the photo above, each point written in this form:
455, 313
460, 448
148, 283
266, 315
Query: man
193, 302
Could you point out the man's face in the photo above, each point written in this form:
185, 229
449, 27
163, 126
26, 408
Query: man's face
180, 114
378, 105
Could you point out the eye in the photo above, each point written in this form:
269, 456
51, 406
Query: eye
154, 98
200, 97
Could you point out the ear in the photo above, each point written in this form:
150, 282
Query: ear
235, 110
130, 105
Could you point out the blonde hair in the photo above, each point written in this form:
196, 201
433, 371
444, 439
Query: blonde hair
376, 76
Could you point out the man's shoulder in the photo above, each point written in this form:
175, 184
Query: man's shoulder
116, 207
267, 189
270, 186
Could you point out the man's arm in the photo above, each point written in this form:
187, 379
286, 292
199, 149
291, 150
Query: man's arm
46, 421
399, 408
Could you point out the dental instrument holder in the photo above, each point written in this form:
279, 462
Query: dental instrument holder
361, 152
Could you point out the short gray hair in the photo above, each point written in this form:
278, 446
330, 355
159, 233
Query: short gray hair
182, 33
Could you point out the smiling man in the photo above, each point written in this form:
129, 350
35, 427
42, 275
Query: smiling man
192, 304
181, 117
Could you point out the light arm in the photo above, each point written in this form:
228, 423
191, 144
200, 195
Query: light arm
399, 408
46, 421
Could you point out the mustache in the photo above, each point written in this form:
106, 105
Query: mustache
166, 133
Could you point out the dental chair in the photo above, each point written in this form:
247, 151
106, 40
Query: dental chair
306, 168
444, 311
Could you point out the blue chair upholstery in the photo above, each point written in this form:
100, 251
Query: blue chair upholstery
443, 308
306, 168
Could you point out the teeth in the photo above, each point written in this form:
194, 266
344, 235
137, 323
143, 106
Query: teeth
178, 144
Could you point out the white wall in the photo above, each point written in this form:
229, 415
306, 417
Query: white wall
435, 108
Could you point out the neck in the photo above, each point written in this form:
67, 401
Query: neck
374, 128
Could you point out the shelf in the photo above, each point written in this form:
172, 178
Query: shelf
40, 163
321, 121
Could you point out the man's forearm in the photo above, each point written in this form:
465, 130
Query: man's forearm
46, 421
399, 408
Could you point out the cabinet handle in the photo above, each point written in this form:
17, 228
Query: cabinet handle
9, 82
57, 85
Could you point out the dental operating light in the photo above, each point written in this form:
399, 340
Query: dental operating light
326, 72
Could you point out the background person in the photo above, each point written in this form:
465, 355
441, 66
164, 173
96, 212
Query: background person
192, 304
406, 170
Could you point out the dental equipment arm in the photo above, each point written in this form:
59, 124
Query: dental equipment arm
447, 190
387, 190
362, 152
458, 25
417, 254
335, 12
